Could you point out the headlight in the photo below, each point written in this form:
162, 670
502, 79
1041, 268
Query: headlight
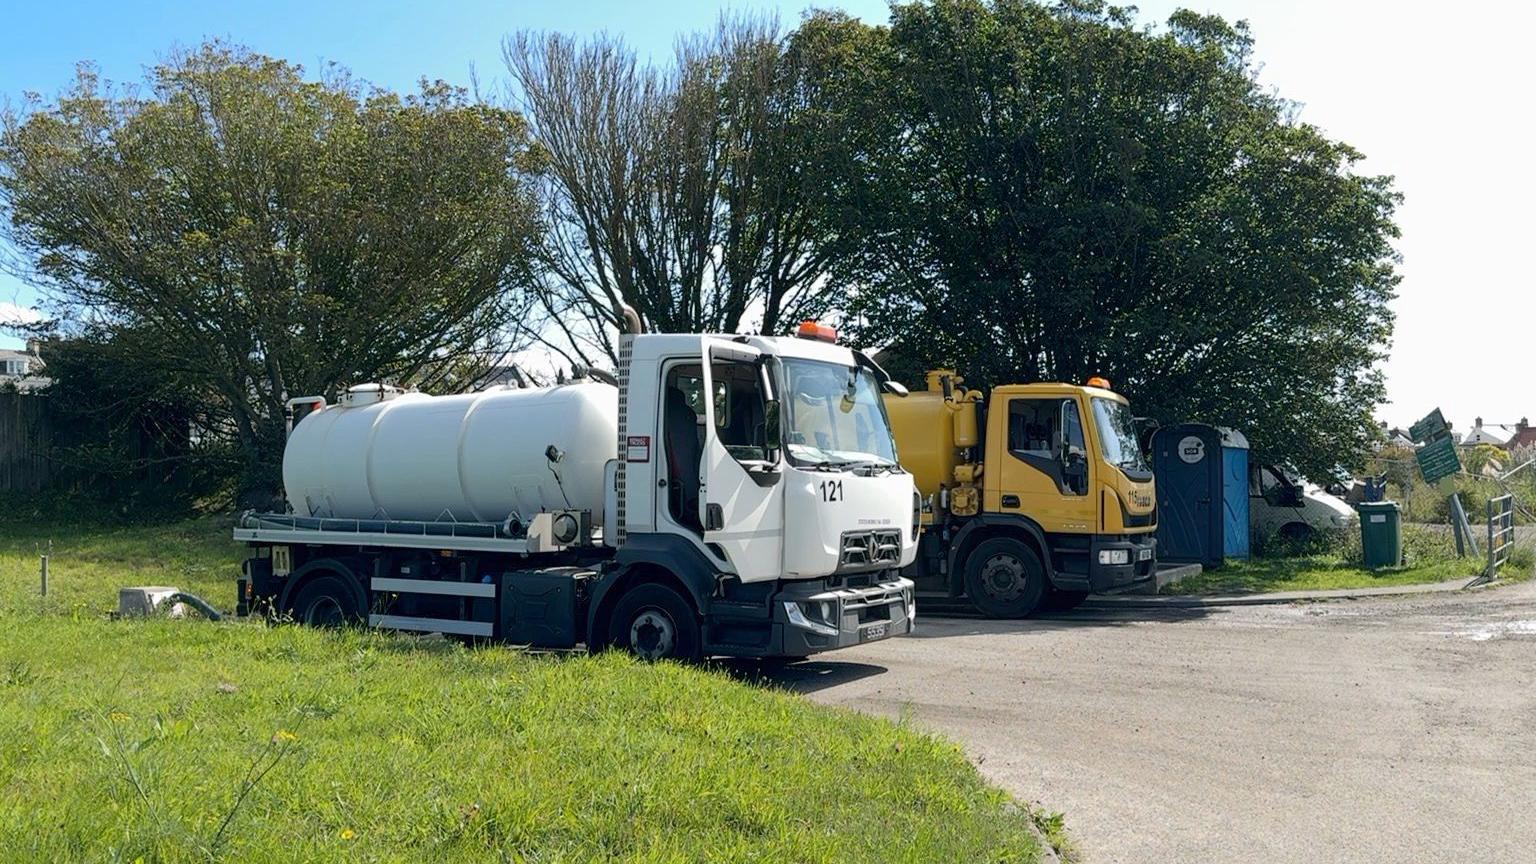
1111, 557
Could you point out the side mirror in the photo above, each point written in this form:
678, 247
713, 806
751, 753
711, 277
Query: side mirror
773, 433
895, 387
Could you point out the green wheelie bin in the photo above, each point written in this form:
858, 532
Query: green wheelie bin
1381, 534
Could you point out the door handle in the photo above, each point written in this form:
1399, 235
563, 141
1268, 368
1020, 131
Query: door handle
1010, 500
714, 517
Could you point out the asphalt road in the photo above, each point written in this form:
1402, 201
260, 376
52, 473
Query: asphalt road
1396, 730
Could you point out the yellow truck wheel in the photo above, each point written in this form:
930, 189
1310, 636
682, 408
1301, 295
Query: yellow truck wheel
1004, 578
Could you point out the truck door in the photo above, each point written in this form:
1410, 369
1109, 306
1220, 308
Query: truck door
741, 499
1045, 473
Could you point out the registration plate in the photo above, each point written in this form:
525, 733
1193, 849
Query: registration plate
1144, 555
875, 631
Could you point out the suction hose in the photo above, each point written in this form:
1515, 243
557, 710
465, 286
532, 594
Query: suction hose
197, 603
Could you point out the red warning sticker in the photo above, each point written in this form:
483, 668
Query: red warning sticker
638, 449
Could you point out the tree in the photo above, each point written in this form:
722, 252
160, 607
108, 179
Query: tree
688, 193
130, 437
263, 235
1051, 192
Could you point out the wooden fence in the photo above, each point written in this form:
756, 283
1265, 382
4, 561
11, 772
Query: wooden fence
24, 465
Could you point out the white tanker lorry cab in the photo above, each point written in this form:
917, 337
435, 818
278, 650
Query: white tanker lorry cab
725, 495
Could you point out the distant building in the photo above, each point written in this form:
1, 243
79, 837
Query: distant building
22, 369
1481, 434
1393, 436
1524, 436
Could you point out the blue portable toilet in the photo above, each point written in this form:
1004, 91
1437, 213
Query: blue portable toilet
1202, 493
1234, 466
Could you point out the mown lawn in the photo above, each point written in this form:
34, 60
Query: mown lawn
187, 740
1430, 556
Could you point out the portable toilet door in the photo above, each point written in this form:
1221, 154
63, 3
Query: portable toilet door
1234, 487
1187, 460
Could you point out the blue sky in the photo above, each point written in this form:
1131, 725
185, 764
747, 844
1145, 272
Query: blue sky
1437, 98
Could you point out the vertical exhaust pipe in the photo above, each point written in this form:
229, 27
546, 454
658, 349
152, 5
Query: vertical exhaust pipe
632, 323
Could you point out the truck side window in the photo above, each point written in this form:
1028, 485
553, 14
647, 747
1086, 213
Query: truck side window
740, 405
1047, 435
740, 413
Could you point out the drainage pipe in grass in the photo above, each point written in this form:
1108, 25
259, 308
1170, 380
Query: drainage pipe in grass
197, 603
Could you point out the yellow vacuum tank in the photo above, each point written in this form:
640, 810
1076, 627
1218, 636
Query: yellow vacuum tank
926, 426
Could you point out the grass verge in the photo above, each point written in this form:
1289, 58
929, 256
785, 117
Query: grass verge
1430, 554
188, 740
1311, 573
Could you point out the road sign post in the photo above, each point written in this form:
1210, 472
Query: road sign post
1438, 463
1438, 460
1437, 455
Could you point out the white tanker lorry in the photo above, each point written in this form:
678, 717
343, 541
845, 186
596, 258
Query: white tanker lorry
723, 496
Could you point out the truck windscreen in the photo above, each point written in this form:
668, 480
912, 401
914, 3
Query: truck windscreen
834, 416
1117, 436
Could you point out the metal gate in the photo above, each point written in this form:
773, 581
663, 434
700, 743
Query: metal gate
1501, 533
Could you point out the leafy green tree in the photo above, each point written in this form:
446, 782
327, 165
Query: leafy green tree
1053, 192
262, 235
130, 438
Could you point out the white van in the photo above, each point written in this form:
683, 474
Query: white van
1280, 503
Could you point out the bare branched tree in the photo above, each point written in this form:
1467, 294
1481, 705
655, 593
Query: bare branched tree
686, 193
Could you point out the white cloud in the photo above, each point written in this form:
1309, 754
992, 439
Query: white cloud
12, 314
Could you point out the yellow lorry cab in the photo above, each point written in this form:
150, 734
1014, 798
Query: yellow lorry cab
1034, 495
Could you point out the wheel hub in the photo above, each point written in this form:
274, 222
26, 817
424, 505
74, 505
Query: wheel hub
652, 636
1003, 577
325, 612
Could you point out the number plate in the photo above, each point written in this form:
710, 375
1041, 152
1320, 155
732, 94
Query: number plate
876, 631
1144, 555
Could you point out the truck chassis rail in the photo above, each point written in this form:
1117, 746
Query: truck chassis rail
281, 528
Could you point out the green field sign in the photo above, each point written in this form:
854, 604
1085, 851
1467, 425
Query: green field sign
1430, 428
1438, 460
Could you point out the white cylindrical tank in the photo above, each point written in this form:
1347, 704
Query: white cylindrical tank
475, 457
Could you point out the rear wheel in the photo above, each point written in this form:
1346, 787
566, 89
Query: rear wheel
653, 622
1004, 578
326, 601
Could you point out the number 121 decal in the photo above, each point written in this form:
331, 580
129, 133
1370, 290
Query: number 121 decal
831, 490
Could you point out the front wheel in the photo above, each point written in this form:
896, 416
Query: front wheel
1004, 578
653, 622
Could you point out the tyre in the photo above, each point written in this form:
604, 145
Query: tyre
653, 622
326, 601
1297, 532
1063, 601
1004, 578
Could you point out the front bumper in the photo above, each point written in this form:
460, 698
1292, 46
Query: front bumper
810, 618
1141, 554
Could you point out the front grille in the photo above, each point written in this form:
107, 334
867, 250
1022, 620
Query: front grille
870, 549
1147, 521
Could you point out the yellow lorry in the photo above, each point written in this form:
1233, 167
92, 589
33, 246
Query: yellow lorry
1033, 497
